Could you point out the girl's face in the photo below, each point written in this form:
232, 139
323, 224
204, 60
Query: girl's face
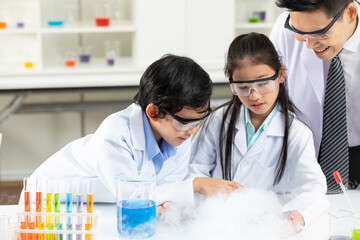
259, 105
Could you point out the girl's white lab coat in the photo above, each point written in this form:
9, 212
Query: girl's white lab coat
118, 146
303, 185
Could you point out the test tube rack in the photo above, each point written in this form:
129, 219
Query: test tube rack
78, 233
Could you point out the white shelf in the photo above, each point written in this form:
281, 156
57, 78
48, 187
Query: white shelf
148, 30
18, 31
254, 25
89, 27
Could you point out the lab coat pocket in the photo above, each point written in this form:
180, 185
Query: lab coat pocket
263, 172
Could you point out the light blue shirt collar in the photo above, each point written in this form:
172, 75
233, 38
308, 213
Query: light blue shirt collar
154, 153
251, 135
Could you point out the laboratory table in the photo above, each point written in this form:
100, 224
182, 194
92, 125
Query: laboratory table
107, 219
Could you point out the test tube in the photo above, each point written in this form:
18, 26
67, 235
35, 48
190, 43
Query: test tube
31, 236
69, 208
57, 202
38, 199
41, 227
23, 225
79, 207
59, 236
87, 228
48, 202
26, 198
50, 227
90, 200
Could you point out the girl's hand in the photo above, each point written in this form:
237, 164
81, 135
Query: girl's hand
212, 186
296, 220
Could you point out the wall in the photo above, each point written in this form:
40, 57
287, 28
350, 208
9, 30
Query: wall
29, 139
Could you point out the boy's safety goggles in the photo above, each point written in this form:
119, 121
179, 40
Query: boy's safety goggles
261, 86
319, 34
184, 124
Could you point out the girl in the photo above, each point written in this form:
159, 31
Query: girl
255, 140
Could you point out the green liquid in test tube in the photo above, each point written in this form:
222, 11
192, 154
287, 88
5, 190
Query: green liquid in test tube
57, 202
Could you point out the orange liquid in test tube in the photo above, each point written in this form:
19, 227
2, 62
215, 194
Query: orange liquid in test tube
87, 228
31, 236
26, 199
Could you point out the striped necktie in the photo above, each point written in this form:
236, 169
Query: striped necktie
334, 152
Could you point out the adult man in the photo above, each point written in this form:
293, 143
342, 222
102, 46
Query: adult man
319, 41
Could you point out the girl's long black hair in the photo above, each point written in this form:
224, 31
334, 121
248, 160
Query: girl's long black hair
256, 49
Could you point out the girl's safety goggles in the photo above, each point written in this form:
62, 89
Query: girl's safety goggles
184, 124
261, 86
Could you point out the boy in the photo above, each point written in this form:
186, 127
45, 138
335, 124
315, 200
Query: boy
152, 134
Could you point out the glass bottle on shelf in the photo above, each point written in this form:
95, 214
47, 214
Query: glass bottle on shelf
85, 54
56, 14
256, 11
112, 51
71, 12
3, 18
70, 58
102, 14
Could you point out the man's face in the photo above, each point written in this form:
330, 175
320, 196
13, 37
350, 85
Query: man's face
328, 47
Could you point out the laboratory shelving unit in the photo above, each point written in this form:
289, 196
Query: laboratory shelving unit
144, 29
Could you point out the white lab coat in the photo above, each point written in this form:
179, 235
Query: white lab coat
118, 146
305, 74
303, 185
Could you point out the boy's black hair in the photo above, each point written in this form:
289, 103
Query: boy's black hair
173, 82
331, 7
257, 49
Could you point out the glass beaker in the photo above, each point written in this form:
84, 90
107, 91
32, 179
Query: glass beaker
136, 207
55, 13
112, 51
102, 15
85, 54
70, 58
356, 226
340, 224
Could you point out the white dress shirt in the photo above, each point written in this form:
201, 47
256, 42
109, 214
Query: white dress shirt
307, 75
350, 60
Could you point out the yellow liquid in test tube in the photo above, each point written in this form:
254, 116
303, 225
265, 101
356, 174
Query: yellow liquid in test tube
87, 228
90, 207
48, 207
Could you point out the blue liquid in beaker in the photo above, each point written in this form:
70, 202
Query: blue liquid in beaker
136, 218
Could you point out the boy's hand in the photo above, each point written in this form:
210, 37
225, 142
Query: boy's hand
163, 207
212, 186
297, 220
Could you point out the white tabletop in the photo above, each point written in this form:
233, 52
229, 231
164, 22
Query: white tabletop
108, 230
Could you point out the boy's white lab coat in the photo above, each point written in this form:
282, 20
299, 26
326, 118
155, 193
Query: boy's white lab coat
303, 185
118, 146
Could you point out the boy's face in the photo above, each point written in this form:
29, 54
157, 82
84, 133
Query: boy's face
163, 128
330, 43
